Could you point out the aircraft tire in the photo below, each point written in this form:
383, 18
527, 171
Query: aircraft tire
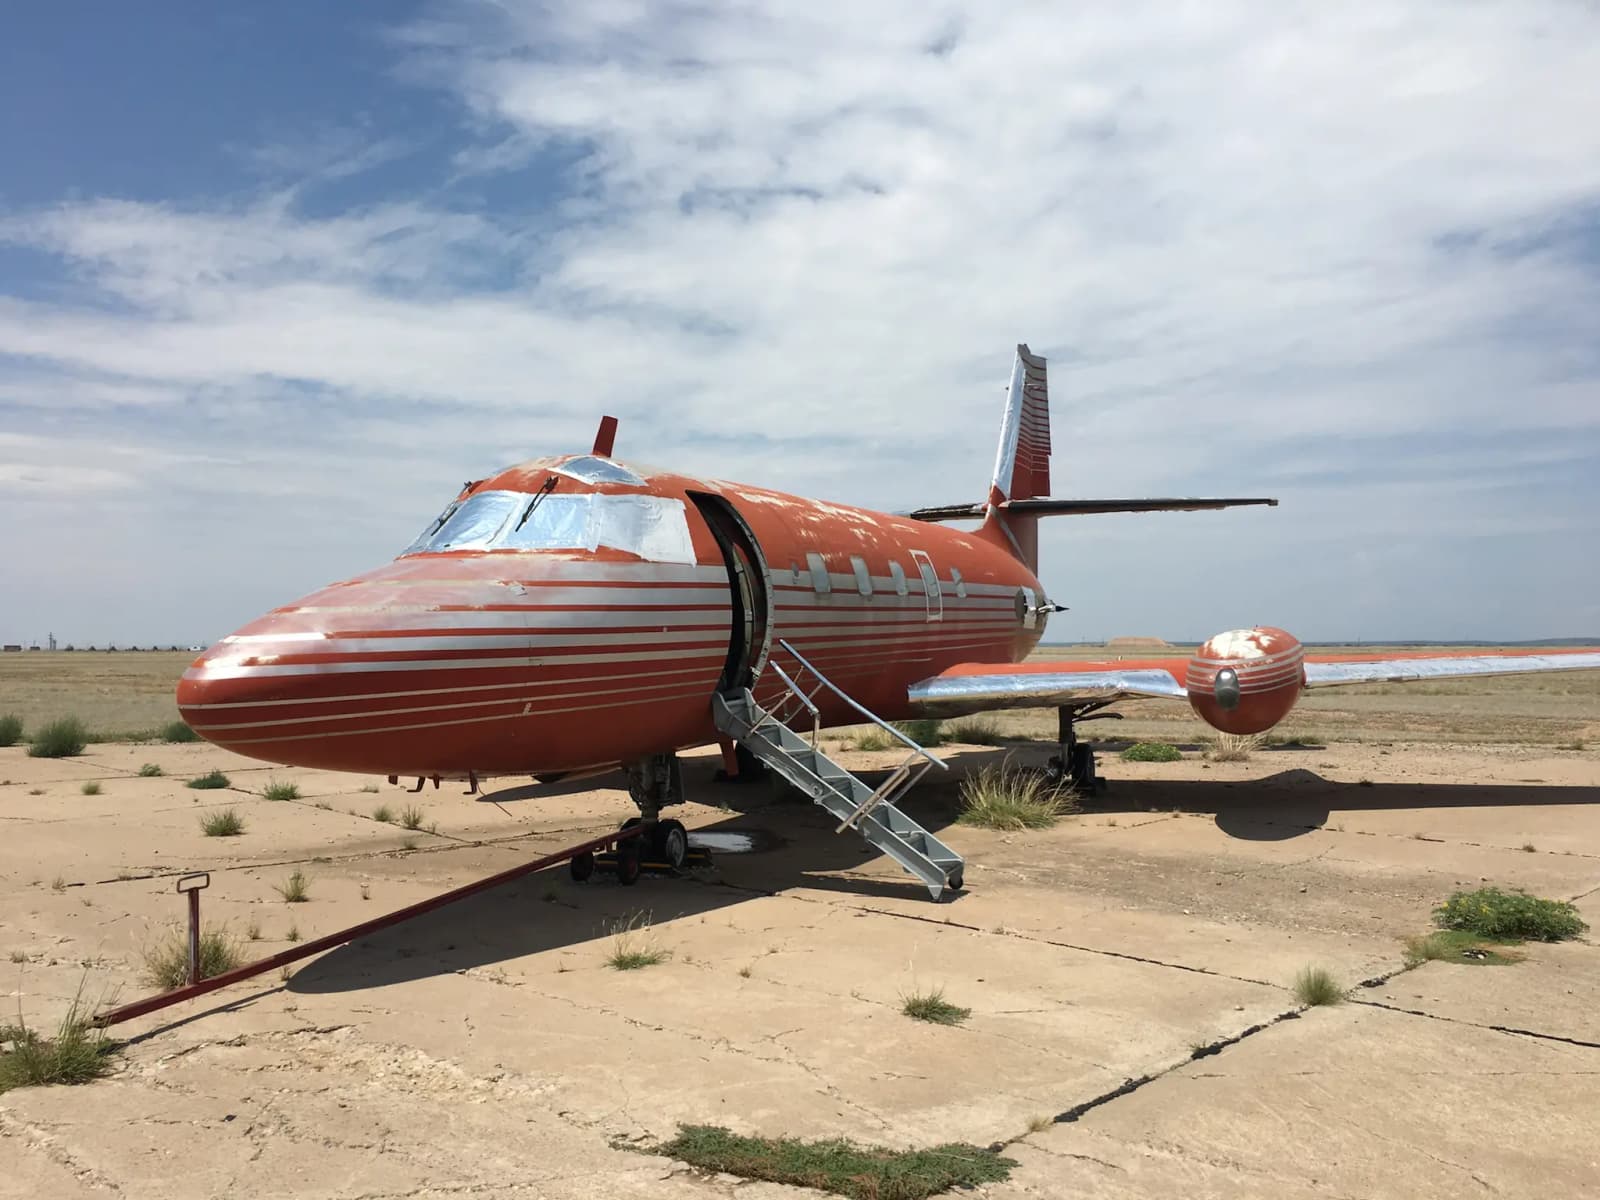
670, 843
627, 863
581, 865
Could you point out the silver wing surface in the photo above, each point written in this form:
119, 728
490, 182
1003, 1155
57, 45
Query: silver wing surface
1409, 670
963, 690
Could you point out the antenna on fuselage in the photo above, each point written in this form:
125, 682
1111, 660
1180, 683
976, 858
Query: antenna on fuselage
605, 437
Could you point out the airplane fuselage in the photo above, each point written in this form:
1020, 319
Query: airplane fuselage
576, 612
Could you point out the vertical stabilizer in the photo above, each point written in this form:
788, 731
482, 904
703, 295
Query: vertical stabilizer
1022, 462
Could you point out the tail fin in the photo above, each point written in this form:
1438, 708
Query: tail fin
1022, 463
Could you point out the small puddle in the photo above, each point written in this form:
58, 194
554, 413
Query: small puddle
730, 842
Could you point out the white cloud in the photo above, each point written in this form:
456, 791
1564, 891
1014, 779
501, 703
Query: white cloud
1244, 233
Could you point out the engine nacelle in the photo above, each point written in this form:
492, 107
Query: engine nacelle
1246, 680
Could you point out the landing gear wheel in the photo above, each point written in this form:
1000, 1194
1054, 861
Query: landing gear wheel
670, 840
627, 863
582, 865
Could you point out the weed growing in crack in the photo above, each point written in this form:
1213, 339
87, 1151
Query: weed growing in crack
225, 822
78, 1053
838, 1166
296, 889
411, 817
1158, 752
166, 963
383, 813
634, 945
1316, 986
1458, 946
91, 787
932, 1007
276, 790
1004, 797
1492, 913
150, 771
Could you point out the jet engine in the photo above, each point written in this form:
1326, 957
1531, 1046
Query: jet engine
1246, 680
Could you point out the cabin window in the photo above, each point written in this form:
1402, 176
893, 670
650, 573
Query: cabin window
955, 578
794, 573
863, 576
655, 528
472, 525
820, 583
898, 574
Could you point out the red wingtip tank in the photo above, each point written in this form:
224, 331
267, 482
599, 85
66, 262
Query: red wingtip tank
1246, 680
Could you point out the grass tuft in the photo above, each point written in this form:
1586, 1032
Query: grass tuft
276, 790
383, 813
933, 1008
296, 889
634, 945
78, 1053
62, 738
1517, 916
924, 731
178, 731
1233, 747
369, 787
411, 817
150, 771
91, 787
1316, 986
10, 729
210, 780
225, 822
1152, 752
871, 738
1001, 796
975, 731
838, 1166
166, 964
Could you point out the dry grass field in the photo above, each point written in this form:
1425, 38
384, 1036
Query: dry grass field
128, 693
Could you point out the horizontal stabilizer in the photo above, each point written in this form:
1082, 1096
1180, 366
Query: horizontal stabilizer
1044, 506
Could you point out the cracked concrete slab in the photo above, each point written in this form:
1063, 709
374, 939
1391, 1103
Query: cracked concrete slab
488, 1049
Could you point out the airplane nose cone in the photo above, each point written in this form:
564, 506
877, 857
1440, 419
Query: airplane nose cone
236, 693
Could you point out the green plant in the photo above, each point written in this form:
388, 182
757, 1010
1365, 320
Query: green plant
276, 790
1233, 747
166, 964
411, 817
924, 731
61, 738
150, 771
211, 779
10, 729
296, 889
178, 731
58, 884
933, 1007
1159, 752
383, 813
975, 731
224, 822
17, 956
634, 945
409, 844
871, 738
293, 935
1455, 946
838, 1166
253, 930
1002, 796
1315, 986
77, 1054
369, 787
1492, 913
90, 787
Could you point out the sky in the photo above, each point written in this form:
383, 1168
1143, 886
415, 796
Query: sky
276, 279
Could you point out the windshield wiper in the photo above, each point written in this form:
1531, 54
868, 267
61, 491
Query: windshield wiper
548, 486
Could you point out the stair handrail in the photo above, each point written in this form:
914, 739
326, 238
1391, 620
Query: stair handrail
862, 709
794, 690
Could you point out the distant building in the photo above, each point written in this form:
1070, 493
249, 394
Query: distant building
13, 648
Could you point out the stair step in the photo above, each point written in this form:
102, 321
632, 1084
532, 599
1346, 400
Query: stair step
838, 791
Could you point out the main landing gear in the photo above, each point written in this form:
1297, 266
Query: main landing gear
1075, 765
653, 782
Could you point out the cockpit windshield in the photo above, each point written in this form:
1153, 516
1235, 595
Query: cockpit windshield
652, 527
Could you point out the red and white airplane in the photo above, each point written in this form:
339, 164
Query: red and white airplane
578, 613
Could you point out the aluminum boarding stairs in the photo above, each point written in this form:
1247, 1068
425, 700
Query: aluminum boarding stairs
870, 811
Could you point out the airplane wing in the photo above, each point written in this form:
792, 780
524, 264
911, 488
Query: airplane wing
1330, 671
979, 687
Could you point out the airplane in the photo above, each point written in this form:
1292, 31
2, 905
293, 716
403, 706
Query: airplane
570, 615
